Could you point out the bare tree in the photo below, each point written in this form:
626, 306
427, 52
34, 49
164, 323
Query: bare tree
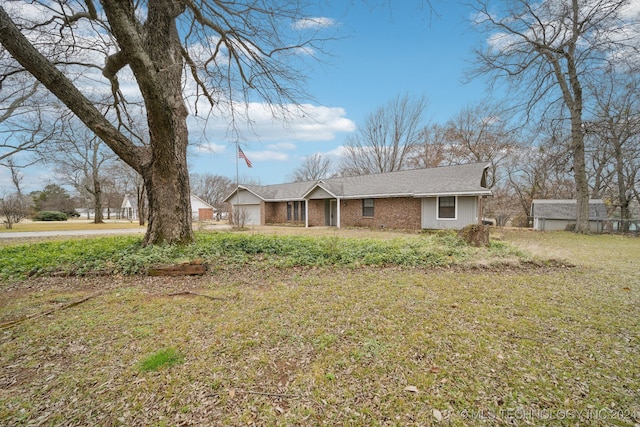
14, 207
549, 49
432, 149
387, 139
128, 182
480, 134
16, 108
211, 188
615, 141
313, 168
80, 158
540, 170
147, 54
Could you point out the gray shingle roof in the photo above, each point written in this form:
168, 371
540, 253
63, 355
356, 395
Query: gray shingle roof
446, 180
566, 209
280, 192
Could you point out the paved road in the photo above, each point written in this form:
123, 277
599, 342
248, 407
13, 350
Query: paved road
27, 234
106, 232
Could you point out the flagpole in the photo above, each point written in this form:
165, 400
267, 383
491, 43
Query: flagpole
237, 173
237, 157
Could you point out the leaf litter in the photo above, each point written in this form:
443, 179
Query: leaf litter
324, 346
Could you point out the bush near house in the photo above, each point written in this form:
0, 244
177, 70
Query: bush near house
50, 216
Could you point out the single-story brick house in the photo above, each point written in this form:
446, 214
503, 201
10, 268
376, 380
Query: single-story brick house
448, 197
557, 214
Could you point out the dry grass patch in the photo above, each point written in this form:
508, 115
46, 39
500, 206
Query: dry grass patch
72, 224
335, 346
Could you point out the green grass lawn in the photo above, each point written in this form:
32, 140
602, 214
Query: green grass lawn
265, 341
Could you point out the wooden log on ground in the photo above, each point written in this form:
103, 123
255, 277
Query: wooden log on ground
191, 268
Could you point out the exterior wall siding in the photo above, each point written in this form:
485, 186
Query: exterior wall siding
397, 212
467, 213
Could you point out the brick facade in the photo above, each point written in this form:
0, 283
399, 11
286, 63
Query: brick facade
317, 213
276, 213
397, 212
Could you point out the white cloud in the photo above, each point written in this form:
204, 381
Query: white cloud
632, 10
314, 23
282, 146
337, 152
267, 155
210, 147
275, 124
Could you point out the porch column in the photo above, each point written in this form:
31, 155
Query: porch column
306, 213
338, 212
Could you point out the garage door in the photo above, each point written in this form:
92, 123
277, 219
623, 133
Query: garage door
251, 214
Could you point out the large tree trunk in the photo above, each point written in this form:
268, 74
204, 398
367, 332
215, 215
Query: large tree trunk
152, 51
580, 177
575, 105
625, 214
166, 184
142, 204
156, 61
97, 189
98, 217
167, 177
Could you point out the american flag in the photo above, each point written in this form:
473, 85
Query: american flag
241, 155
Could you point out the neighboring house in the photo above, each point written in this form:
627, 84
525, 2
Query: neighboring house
435, 198
129, 208
554, 215
200, 210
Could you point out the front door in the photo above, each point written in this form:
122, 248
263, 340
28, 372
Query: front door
330, 213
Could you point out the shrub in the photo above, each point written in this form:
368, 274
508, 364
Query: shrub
50, 216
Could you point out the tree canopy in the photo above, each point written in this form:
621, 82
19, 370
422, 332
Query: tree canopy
113, 62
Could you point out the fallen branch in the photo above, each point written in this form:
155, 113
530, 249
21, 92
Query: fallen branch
195, 294
6, 325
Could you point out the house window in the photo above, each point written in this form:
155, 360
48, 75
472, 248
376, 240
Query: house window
447, 207
367, 207
296, 211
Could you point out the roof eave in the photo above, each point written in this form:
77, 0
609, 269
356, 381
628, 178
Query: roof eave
456, 193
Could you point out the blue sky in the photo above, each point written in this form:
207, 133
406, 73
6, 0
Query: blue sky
385, 51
